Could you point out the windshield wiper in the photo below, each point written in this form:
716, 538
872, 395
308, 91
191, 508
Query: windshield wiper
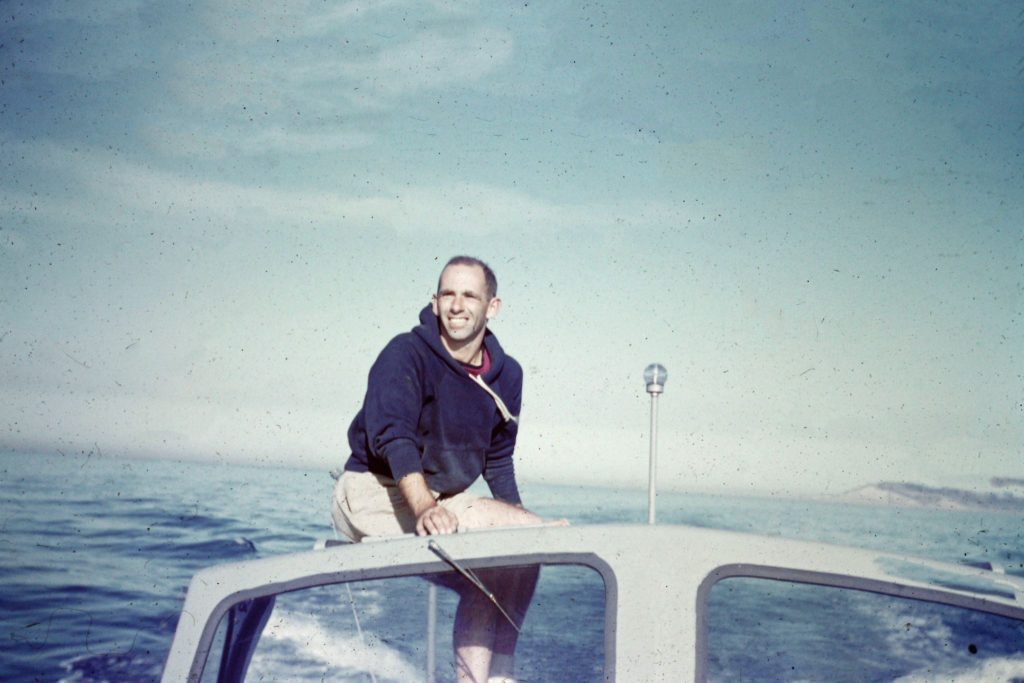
472, 578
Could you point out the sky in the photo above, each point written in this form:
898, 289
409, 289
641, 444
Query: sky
214, 215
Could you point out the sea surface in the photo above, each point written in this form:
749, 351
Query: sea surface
96, 554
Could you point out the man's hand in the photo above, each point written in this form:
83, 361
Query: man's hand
431, 518
436, 520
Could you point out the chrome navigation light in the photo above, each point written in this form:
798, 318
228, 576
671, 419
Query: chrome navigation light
655, 375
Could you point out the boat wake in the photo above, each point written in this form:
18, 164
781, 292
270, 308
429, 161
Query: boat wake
1007, 669
295, 646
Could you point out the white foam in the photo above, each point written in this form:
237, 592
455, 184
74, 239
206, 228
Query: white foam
919, 637
370, 600
296, 645
911, 631
995, 669
917, 634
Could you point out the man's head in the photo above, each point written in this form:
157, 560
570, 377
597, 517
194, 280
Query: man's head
466, 299
492, 282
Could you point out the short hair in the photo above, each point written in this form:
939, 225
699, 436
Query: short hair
491, 281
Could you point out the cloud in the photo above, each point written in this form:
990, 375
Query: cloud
92, 42
246, 78
196, 143
321, 77
299, 141
105, 188
298, 77
94, 14
242, 22
245, 22
432, 60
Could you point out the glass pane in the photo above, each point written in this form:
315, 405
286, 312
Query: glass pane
775, 630
379, 630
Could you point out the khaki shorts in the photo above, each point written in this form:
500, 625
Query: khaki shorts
367, 504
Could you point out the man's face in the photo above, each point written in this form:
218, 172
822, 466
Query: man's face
462, 306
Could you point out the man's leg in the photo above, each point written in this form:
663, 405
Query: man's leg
513, 588
365, 504
484, 640
473, 636
487, 513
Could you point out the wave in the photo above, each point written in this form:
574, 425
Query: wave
995, 669
294, 645
132, 666
213, 550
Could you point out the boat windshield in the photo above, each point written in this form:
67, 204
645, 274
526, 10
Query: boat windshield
769, 629
400, 629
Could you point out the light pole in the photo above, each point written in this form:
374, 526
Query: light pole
654, 377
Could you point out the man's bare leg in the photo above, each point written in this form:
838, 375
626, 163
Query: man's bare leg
485, 641
513, 589
487, 513
486, 637
473, 637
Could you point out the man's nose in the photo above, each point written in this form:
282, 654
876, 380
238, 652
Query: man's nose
457, 302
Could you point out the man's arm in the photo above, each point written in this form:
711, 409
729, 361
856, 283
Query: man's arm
391, 408
431, 518
499, 470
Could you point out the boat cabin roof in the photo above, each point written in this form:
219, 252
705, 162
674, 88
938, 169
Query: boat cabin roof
651, 574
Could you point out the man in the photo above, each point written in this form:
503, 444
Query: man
441, 409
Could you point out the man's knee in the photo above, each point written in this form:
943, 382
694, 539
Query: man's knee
486, 513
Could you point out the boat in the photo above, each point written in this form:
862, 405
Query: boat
650, 602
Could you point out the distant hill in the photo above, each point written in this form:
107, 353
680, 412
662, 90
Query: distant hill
1010, 499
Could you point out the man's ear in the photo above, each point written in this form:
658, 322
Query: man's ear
493, 306
433, 303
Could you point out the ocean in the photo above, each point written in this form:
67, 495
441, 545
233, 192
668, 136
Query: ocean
97, 552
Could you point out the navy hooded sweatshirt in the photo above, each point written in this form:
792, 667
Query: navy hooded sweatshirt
423, 413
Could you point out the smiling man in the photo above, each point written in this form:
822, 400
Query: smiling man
441, 410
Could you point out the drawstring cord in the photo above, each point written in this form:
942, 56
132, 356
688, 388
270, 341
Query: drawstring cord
502, 408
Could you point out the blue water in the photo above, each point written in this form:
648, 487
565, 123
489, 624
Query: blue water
96, 554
